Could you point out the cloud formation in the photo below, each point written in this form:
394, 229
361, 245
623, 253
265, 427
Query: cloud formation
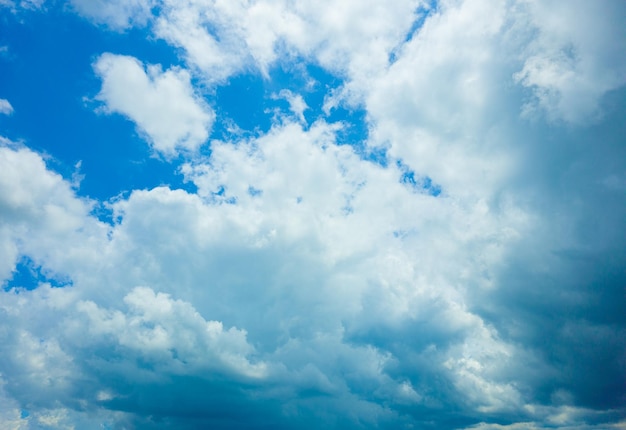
5, 107
472, 279
116, 14
163, 104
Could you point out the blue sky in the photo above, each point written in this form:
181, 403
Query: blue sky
350, 215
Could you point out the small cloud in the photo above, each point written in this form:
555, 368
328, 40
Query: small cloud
77, 176
297, 105
23, 4
163, 104
116, 14
5, 107
32, 4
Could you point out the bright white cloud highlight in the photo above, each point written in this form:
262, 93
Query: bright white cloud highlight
221, 38
163, 104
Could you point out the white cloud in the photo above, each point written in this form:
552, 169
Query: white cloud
439, 104
171, 334
318, 236
222, 38
5, 107
297, 105
117, 14
300, 274
39, 209
570, 67
163, 104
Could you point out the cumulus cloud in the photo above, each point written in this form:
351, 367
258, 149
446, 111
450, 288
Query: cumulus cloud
221, 39
289, 247
163, 104
38, 208
311, 287
156, 326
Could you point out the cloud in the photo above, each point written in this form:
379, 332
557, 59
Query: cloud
163, 104
117, 14
570, 67
5, 107
23, 4
38, 209
221, 39
311, 287
288, 248
297, 105
156, 327
450, 109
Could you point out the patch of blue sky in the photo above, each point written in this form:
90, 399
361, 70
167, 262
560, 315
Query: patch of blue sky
254, 191
47, 74
420, 184
354, 118
355, 130
423, 12
29, 275
377, 155
221, 196
401, 234
241, 107
250, 101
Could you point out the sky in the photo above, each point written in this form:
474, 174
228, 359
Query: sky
274, 214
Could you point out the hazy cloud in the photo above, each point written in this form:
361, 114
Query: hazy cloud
5, 107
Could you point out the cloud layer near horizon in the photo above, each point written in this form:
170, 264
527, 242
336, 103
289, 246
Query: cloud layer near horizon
474, 279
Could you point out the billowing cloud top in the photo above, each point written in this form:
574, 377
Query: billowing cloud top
342, 215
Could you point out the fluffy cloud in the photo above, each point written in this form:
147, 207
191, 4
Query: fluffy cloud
310, 287
289, 246
222, 38
163, 104
38, 209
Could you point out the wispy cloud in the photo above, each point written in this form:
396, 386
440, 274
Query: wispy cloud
5, 107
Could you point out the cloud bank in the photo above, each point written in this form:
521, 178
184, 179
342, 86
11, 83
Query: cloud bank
470, 277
